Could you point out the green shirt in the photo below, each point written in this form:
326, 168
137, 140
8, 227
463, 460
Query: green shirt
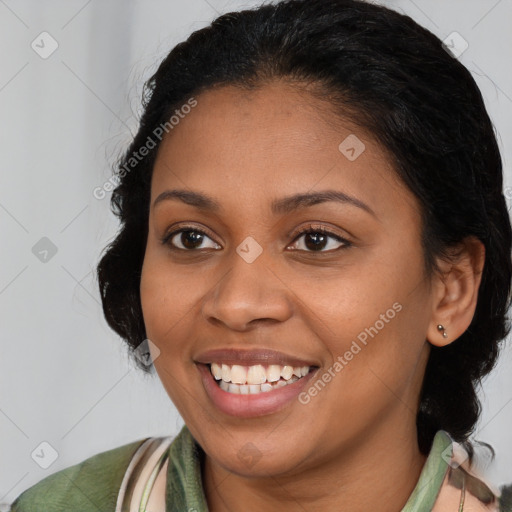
93, 485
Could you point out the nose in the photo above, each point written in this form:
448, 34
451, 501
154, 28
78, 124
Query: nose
248, 294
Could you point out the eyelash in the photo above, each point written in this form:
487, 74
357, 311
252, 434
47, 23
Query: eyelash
166, 240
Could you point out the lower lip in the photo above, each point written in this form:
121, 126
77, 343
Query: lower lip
251, 406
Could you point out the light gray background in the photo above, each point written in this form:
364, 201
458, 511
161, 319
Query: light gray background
65, 378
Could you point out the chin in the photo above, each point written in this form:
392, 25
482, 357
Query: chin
269, 457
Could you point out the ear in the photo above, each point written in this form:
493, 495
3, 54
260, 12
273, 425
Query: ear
455, 291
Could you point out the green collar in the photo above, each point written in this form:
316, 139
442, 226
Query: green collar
184, 491
432, 475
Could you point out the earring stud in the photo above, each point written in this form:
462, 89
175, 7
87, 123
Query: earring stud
440, 328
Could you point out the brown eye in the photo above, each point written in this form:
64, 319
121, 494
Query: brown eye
317, 239
188, 240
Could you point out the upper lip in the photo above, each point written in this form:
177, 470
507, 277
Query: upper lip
250, 357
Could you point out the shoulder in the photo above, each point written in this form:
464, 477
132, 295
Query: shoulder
92, 484
458, 479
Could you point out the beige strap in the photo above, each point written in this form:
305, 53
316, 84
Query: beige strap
157, 497
141, 474
121, 497
146, 471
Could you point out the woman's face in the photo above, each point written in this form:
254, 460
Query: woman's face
240, 287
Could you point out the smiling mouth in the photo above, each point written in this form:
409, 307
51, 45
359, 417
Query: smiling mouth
252, 380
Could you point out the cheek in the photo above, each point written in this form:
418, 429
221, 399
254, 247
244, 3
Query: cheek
169, 304
166, 298
375, 314
350, 301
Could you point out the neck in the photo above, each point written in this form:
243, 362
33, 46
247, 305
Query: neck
377, 472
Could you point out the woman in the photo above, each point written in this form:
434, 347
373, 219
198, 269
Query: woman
315, 252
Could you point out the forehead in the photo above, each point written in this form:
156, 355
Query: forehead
272, 141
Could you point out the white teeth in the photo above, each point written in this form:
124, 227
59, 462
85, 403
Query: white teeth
216, 371
256, 374
226, 373
286, 372
273, 373
238, 374
254, 389
234, 388
255, 379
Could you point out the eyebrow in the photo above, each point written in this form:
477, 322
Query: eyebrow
278, 206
